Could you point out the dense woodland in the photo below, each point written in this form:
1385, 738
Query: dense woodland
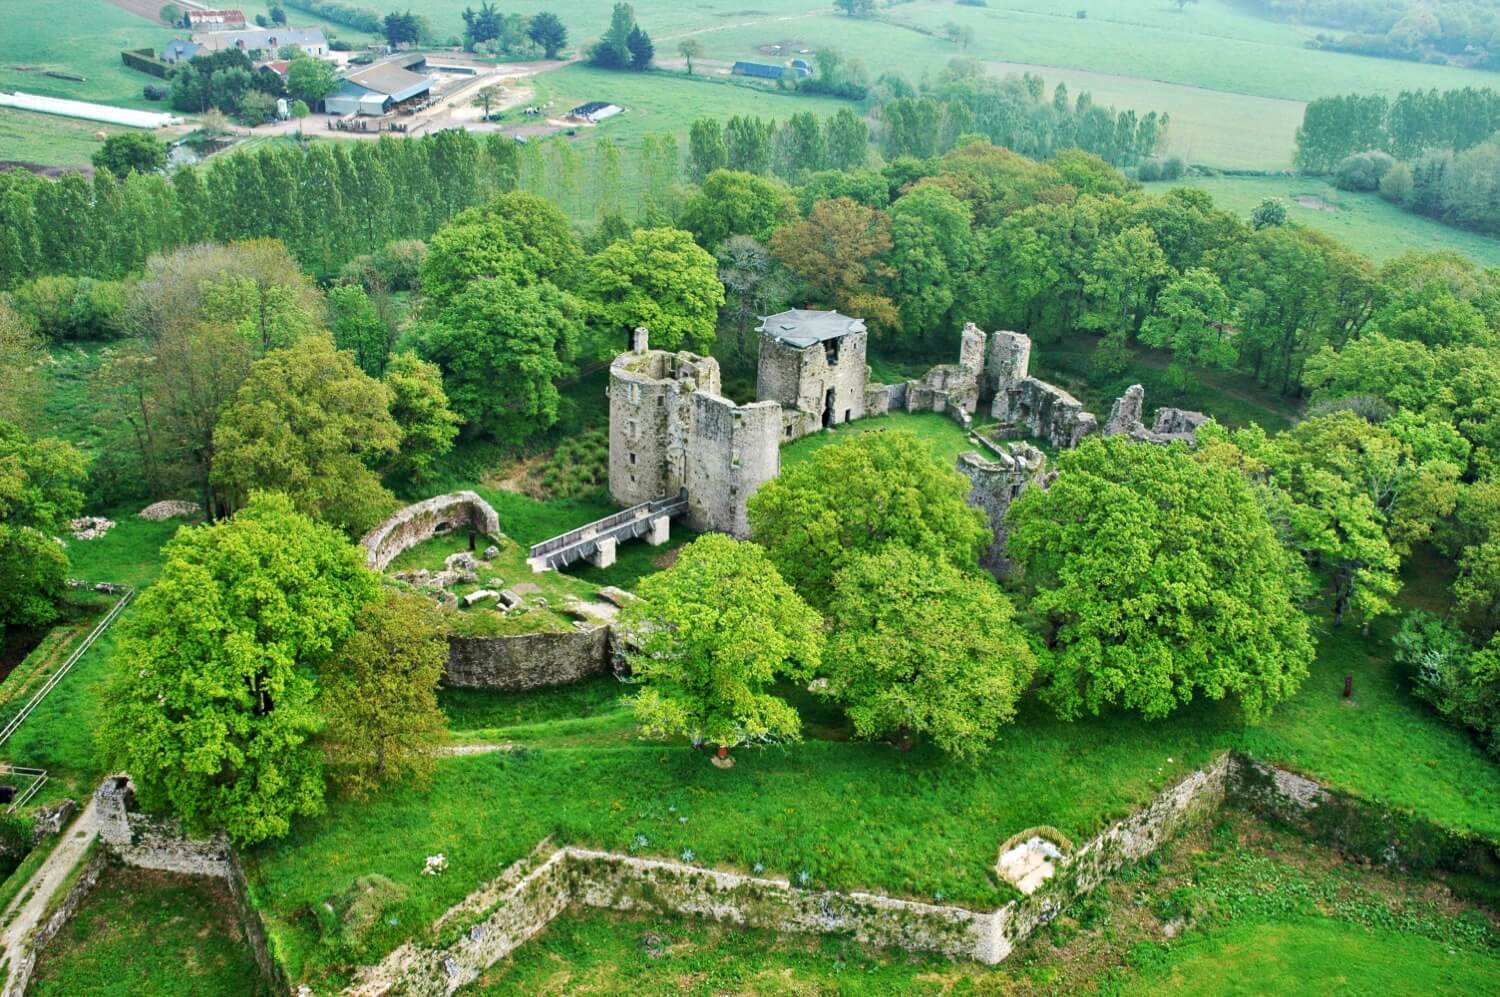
451, 304
1461, 32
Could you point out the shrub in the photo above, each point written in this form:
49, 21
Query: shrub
1460, 682
1173, 168
1397, 185
399, 263
580, 465
1148, 171
72, 308
1362, 171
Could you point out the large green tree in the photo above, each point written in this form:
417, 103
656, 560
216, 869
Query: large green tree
918, 646
213, 709
420, 407
502, 348
857, 496
660, 279
21, 385
39, 493
735, 203
707, 639
378, 696
309, 423
1157, 577
840, 251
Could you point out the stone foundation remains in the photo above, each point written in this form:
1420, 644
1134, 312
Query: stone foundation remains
952, 388
536, 890
527, 661
1026, 406
1171, 425
995, 483
412, 525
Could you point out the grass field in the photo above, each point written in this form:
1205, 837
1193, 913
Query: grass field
76, 36
1364, 222
49, 140
143, 932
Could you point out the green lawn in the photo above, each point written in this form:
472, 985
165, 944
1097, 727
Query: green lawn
1364, 222
83, 37
144, 932
49, 140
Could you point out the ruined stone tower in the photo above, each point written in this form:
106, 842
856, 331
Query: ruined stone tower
670, 430
812, 363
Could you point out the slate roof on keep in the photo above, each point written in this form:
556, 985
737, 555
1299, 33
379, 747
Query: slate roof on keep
802, 327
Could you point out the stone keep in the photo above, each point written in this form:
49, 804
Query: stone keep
812, 363
670, 430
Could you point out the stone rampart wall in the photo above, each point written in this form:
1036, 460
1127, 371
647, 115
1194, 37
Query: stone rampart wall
410, 526
527, 661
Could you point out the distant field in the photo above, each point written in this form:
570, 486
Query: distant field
1362, 221
47, 139
75, 36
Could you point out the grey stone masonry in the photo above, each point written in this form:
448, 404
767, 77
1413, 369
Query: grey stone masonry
1171, 424
996, 483
813, 365
155, 842
519, 662
408, 527
732, 451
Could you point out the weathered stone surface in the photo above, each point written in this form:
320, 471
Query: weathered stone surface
170, 509
491, 552
1171, 424
154, 842
817, 384
952, 388
527, 661
995, 483
617, 596
478, 596
731, 450
51, 820
462, 561
410, 526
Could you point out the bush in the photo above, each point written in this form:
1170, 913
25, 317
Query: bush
1173, 168
579, 466
399, 263
1149, 171
1397, 185
1362, 171
72, 308
1460, 682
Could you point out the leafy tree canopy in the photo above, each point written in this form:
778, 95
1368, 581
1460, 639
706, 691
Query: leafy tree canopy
39, 493
736, 203
140, 151
919, 646
1158, 577
658, 278
710, 635
857, 496
311, 424
213, 709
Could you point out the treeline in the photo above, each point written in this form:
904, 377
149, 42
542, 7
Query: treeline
1335, 127
1457, 32
360, 18
328, 201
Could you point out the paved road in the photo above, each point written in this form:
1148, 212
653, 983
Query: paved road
26, 910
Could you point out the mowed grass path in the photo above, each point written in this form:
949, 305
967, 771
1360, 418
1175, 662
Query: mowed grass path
1365, 223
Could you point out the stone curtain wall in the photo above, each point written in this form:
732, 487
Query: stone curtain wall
527, 661
410, 526
534, 891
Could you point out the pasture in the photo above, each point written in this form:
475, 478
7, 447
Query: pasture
50, 35
1364, 222
47, 139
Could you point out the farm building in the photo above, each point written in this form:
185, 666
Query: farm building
178, 50
214, 20
268, 40
377, 90
595, 111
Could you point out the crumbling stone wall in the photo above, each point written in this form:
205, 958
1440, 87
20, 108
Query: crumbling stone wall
1043, 411
1171, 424
408, 527
1008, 362
995, 483
800, 380
952, 388
527, 661
650, 414
731, 451
20, 975
152, 842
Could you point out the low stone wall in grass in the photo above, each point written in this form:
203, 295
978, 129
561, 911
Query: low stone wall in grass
527, 661
1358, 827
408, 527
93, 868
502, 915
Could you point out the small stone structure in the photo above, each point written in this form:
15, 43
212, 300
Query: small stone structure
154, 842
166, 509
812, 363
951, 388
1170, 426
527, 661
410, 526
994, 484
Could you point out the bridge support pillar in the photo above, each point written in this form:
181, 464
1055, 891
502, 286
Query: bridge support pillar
604, 553
661, 531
